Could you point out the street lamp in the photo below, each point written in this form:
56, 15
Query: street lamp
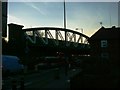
64, 16
101, 24
80, 29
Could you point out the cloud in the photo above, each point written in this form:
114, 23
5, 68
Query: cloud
13, 19
35, 7
16, 20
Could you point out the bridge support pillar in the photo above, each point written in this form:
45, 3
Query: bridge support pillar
16, 39
15, 31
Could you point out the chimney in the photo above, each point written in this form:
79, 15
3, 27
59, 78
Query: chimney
113, 27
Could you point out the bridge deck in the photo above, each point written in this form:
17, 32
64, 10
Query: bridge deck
40, 47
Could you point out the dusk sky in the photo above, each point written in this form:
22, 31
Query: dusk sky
86, 15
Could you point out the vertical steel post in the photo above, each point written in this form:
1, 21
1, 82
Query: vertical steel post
34, 38
46, 38
74, 37
64, 15
56, 33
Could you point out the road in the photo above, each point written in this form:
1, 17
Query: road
51, 78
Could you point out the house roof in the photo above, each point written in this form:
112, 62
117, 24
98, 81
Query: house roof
106, 33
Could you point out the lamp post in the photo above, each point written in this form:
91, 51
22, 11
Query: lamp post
101, 24
80, 29
64, 16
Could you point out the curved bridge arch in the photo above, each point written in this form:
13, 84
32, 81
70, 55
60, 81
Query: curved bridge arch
54, 28
68, 36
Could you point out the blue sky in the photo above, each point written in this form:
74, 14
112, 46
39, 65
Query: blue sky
86, 15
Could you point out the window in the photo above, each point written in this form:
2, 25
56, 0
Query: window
105, 55
103, 43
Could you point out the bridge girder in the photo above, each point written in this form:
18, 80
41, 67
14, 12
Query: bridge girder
54, 28
67, 37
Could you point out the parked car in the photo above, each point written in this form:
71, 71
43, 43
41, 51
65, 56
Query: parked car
11, 65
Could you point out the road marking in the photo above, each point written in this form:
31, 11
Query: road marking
73, 69
28, 83
68, 81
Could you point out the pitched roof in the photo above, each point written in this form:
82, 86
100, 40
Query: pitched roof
106, 33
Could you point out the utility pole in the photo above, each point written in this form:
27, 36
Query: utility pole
82, 30
119, 14
64, 16
101, 24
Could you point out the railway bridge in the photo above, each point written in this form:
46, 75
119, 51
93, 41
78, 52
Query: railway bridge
46, 41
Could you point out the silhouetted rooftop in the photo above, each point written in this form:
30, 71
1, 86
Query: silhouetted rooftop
106, 33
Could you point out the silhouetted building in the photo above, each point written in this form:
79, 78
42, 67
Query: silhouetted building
4, 19
105, 48
105, 44
16, 39
119, 13
4, 47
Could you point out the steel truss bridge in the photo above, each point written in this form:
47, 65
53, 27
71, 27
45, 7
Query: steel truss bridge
51, 39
